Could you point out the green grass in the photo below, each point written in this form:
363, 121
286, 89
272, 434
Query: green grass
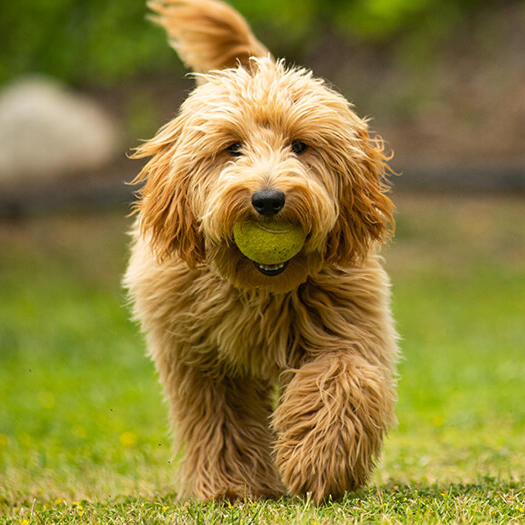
83, 428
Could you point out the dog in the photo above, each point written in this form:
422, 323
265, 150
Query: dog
279, 379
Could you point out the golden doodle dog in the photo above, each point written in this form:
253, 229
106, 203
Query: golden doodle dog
280, 377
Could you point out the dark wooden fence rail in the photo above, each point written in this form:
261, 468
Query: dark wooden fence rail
454, 176
109, 188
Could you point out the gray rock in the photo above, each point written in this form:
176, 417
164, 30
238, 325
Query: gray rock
47, 131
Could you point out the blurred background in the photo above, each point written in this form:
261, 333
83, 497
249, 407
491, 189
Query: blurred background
82, 82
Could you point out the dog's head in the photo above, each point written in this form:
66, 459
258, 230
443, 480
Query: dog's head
260, 140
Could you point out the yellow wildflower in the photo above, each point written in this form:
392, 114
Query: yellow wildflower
80, 432
438, 421
128, 439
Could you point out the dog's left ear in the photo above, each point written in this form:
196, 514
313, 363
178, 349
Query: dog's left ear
365, 212
165, 214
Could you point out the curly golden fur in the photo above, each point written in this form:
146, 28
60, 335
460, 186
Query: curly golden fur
222, 333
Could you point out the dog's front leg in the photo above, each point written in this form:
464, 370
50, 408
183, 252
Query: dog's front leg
222, 423
330, 423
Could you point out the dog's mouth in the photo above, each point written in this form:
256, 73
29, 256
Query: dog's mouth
271, 269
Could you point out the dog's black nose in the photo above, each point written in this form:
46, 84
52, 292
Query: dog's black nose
268, 202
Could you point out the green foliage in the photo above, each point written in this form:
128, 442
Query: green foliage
99, 42
91, 41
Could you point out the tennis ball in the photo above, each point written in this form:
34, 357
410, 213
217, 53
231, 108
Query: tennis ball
268, 242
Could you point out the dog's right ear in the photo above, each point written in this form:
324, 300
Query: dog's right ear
165, 214
207, 34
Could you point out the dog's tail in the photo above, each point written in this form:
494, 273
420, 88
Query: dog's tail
207, 34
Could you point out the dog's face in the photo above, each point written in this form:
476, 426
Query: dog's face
256, 142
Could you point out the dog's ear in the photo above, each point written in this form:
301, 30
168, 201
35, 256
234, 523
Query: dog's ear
165, 214
207, 34
365, 211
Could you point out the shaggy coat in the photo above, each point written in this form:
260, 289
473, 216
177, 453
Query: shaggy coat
225, 336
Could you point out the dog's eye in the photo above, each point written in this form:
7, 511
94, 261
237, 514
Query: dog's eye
235, 149
298, 147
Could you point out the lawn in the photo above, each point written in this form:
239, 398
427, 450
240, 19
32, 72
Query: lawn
83, 428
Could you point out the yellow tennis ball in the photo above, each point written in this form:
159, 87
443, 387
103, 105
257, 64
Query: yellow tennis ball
268, 242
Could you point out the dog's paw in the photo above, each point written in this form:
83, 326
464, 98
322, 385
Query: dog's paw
330, 425
319, 462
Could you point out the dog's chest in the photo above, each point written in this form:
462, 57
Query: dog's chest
248, 335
